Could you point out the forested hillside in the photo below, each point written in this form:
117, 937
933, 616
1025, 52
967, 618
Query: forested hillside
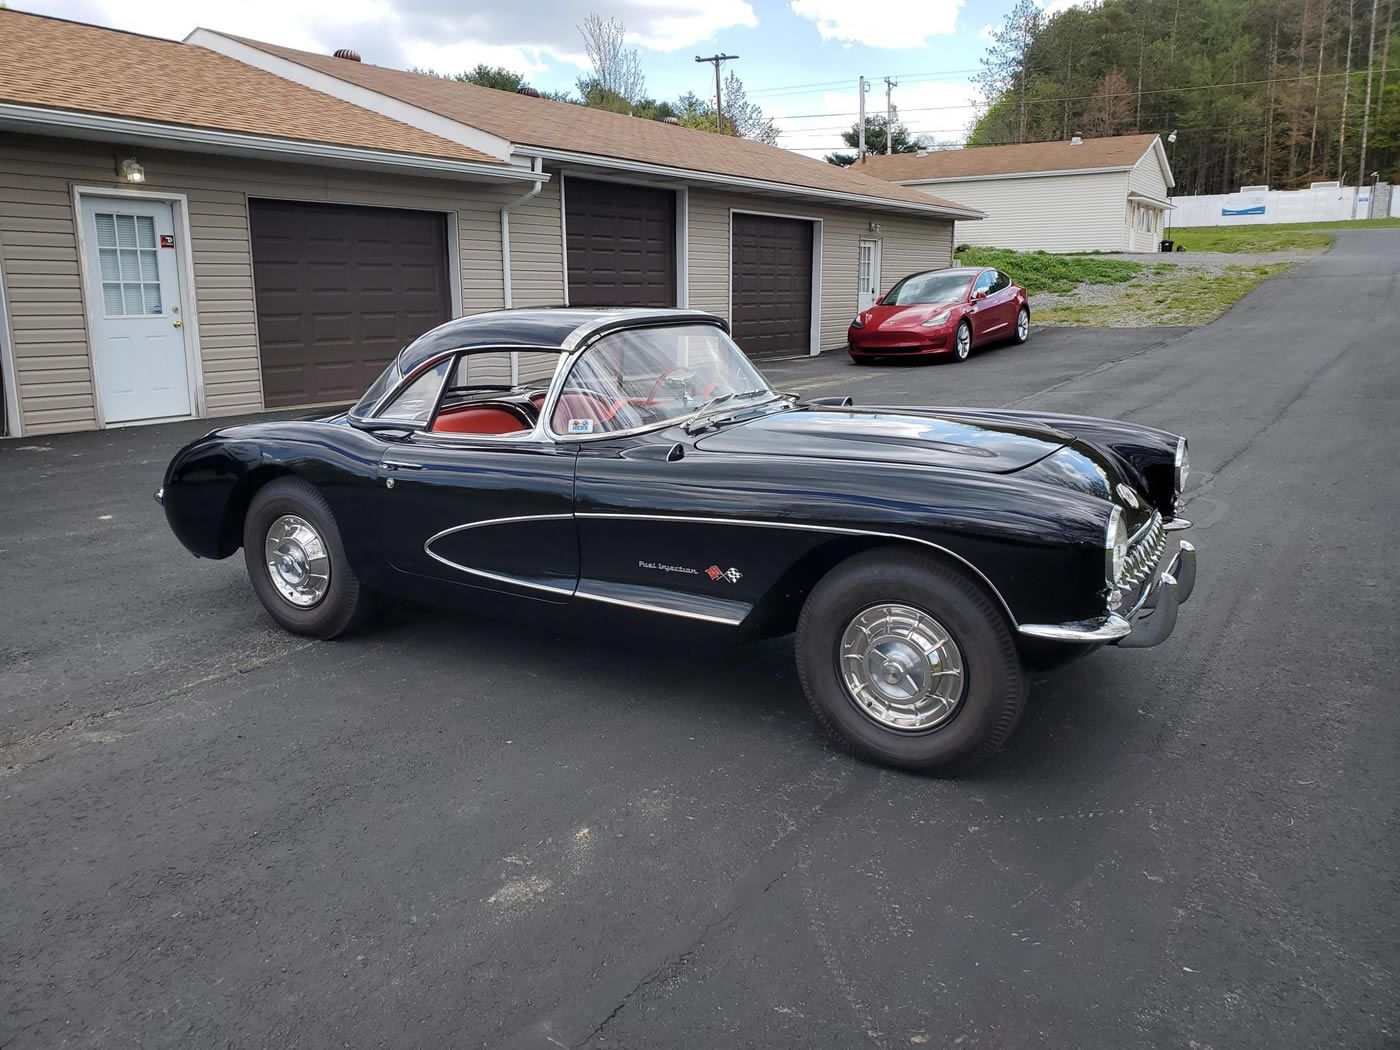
1269, 92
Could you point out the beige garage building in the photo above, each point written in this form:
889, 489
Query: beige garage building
220, 226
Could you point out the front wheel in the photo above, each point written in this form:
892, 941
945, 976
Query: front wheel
296, 561
1023, 324
908, 662
962, 341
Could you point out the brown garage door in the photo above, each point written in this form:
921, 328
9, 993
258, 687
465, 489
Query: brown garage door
622, 244
771, 285
340, 290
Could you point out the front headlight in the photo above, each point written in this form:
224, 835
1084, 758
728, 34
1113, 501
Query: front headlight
857, 323
1115, 545
937, 319
1183, 466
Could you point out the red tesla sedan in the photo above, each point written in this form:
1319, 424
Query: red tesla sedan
941, 312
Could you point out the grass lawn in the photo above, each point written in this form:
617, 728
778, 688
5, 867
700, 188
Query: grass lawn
1279, 238
1176, 299
1042, 272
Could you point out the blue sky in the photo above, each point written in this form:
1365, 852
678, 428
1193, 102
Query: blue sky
799, 59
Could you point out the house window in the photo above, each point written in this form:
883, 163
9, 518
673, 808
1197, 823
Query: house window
126, 250
1145, 219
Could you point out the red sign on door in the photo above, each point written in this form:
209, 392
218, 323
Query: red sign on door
167, 240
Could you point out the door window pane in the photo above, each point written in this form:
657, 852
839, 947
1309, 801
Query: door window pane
129, 262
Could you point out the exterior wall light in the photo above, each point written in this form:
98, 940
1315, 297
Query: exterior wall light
130, 170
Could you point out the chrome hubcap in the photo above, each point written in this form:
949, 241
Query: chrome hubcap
1023, 324
297, 562
964, 341
901, 666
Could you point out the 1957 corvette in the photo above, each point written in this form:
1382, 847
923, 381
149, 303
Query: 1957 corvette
925, 557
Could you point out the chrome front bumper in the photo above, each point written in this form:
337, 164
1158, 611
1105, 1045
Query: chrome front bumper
1150, 623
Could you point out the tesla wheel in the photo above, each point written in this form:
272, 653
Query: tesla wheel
297, 563
1023, 324
962, 341
909, 663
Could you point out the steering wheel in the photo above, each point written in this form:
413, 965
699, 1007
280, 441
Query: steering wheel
686, 376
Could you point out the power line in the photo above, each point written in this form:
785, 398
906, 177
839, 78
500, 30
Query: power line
1082, 98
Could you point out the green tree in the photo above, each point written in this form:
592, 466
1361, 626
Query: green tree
498, 77
900, 141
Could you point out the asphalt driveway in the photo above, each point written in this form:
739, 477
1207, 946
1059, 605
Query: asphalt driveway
453, 830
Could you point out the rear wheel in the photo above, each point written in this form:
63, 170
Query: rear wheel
962, 341
1023, 324
296, 561
909, 663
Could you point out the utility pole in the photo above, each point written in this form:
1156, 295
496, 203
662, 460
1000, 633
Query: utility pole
716, 60
860, 152
1346, 96
1366, 115
890, 85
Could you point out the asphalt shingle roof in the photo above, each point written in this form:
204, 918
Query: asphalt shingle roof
540, 122
54, 63
1119, 151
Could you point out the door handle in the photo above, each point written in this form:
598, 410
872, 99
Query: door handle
389, 464
179, 324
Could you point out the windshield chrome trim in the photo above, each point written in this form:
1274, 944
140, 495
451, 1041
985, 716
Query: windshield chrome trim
582, 345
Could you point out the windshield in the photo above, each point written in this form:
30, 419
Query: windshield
938, 287
643, 376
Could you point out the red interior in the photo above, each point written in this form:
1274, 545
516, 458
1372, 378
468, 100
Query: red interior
480, 419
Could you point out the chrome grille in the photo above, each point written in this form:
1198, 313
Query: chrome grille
1144, 552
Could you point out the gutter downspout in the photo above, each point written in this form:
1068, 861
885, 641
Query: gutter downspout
538, 169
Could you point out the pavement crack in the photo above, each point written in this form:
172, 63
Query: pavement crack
678, 962
94, 718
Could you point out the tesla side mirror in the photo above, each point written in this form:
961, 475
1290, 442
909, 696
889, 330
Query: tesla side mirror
880, 301
979, 295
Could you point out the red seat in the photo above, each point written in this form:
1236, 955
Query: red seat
479, 419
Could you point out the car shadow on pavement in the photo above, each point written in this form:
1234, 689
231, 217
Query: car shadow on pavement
619, 662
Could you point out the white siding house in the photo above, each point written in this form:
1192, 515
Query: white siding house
1087, 195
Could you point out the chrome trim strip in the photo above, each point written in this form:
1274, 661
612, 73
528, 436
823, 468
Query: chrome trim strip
495, 576
658, 609
498, 578
815, 528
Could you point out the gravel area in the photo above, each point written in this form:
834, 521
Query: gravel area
1161, 268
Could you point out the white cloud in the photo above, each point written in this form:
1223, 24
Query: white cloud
669, 25
446, 35
881, 23
1051, 8
985, 33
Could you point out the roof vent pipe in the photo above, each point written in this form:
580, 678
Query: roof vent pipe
349, 54
526, 89
1076, 139
671, 120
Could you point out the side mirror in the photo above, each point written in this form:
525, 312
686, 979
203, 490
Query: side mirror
880, 301
979, 295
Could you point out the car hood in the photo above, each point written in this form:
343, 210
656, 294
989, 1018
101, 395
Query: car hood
878, 435
914, 314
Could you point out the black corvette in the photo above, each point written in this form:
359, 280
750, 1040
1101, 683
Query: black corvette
925, 557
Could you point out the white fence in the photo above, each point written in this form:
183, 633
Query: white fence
1252, 206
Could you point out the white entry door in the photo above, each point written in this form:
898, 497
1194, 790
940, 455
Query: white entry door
869, 275
138, 342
